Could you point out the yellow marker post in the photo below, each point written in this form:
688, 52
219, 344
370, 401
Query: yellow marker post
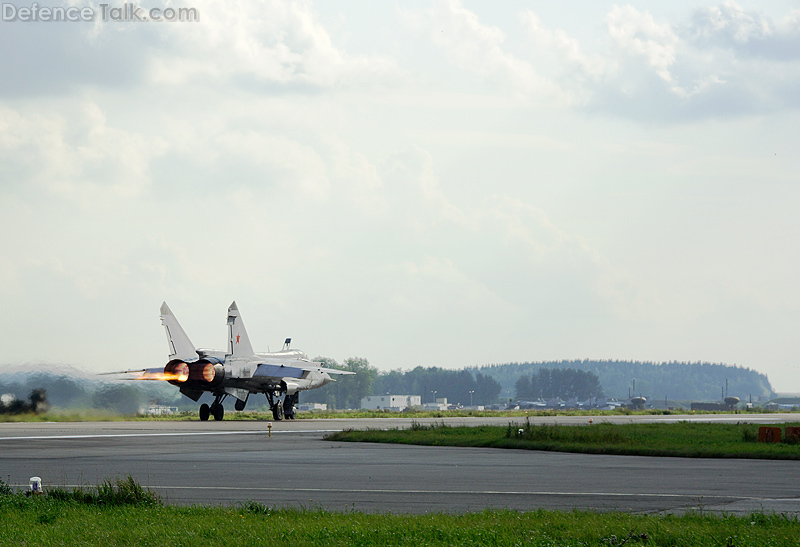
269, 428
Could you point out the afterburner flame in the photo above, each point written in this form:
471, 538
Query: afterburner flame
176, 371
166, 376
203, 371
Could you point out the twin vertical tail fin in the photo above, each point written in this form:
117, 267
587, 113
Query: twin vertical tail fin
180, 347
238, 341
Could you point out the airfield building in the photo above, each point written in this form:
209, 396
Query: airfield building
397, 403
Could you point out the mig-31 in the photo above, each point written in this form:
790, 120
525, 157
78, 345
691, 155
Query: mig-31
238, 372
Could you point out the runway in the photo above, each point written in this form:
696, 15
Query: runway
228, 462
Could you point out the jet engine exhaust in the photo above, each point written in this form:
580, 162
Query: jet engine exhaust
176, 372
203, 371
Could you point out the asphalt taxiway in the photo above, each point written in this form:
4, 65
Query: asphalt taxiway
228, 462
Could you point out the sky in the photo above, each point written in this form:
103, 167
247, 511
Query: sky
446, 183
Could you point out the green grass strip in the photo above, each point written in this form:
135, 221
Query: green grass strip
122, 513
87, 415
682, 439
46, 521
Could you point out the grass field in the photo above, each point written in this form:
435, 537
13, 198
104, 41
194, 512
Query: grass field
682, 439
122, 514
264, 415
462, 413
63, 416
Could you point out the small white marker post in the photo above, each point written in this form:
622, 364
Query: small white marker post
35, 485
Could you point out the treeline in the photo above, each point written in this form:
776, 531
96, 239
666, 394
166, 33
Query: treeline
429, 383
454, 385
347, 390
565, 383
674, 380
486, 385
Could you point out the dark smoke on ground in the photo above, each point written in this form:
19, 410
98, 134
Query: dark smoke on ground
37, 402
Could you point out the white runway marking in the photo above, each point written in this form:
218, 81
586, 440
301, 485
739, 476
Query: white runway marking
455, 492
176, 434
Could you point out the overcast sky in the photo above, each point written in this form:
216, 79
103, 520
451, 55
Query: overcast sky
418, 183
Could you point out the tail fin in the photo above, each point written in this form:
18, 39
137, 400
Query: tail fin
180, 347
238, 341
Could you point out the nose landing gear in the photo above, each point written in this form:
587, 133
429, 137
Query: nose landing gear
289, 405
277, 411
282, 409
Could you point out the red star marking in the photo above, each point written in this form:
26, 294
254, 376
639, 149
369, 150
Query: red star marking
237, 338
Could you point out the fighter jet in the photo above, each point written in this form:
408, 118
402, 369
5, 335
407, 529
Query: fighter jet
238, 372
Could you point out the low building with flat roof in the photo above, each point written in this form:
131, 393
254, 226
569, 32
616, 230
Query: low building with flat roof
390, 402
310, 407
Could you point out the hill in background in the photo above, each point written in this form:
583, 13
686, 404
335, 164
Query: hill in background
656, 381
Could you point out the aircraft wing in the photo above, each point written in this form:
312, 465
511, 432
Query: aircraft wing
131, 371
311, 365
293, 369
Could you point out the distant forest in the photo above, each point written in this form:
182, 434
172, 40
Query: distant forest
477, 385
674, 380
499, 383
430, 383
566, 383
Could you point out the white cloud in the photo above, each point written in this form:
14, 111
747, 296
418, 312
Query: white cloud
295, 166
638, 34
264, 45
709, 64
731, 21
501, 240
478, 48
77, 156
560, 45
268, 45
747, 32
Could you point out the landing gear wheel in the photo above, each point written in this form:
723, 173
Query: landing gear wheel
277, 411
204, 412
289, 406
218, 411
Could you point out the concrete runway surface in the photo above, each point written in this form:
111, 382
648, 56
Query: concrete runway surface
228, 462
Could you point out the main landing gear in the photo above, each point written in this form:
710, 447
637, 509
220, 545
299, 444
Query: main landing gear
216, 409
280, 408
